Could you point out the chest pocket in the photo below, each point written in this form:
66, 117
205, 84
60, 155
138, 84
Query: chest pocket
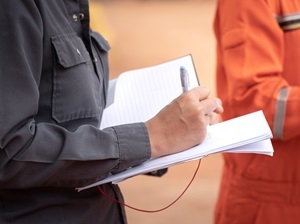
76, 87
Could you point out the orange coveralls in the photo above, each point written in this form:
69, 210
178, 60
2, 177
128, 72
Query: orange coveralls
258, 68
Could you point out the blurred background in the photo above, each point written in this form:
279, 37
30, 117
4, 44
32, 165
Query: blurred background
148, 32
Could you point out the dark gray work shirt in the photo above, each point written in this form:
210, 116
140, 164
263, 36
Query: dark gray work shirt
53, 79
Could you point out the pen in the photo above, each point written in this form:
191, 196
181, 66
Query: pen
184, 77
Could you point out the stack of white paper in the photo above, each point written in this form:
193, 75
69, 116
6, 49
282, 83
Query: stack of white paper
246, 134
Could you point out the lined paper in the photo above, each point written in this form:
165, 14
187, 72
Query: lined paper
140, 94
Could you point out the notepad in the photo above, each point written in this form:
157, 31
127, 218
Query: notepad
138, 95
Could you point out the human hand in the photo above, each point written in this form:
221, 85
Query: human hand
182, 123
215, 116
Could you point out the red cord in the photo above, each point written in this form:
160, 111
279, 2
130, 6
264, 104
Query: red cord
152, 211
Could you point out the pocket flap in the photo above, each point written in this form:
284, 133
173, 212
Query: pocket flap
100, 41
70, 50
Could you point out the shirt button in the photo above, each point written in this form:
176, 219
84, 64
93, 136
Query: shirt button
81, 16
75, 17
78, 52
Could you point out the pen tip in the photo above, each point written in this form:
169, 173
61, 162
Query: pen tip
182, 67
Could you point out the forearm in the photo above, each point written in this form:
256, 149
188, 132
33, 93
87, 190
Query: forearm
53, 156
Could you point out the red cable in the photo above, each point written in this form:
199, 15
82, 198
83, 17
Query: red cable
152, 211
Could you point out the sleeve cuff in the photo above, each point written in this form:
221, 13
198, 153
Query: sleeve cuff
134, 145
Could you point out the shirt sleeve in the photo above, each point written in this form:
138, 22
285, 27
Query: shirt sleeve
252, 53
35, 154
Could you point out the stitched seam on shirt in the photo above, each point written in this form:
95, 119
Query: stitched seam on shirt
145, 132
120, 151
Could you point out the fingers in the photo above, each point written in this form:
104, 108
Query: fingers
219, 109
210, 103
214, 118
201, 92
182, 124
201, 105
209, 108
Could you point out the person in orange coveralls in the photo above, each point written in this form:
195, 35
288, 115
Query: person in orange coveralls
258, 68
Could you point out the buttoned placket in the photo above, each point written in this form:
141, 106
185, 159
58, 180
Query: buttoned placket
84, 17
80, 15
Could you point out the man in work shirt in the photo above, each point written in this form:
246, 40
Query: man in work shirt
53, 82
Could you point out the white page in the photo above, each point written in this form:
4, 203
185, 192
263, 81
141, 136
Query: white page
255, 147
221, 137
140, 94
175, 159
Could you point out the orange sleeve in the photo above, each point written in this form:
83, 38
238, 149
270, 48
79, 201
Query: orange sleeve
251, 65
